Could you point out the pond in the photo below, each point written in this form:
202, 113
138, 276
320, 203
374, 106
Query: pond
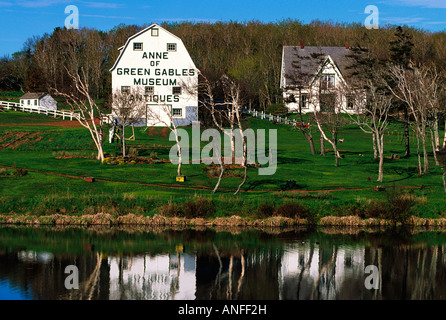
144, 263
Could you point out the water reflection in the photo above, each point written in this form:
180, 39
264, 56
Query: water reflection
190, 264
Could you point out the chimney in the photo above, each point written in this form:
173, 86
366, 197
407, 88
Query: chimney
302, 45
346, 45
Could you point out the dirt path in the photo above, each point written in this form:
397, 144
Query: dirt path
194, 187
164, 185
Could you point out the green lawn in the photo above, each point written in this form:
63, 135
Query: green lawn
51, 154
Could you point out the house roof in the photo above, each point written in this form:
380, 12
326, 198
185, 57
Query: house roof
33, 95
309, 59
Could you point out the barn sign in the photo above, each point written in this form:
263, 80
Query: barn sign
158, 62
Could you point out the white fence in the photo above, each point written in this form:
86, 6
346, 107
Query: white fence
40, 110
264, 116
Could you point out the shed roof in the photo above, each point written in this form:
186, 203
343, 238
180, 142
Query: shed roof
33, 95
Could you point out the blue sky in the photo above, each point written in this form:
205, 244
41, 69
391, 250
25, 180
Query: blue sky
22, 19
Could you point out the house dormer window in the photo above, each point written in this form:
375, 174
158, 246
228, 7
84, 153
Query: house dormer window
137, 46
327, 81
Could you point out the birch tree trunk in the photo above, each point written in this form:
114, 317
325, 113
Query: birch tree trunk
380, 140
322, 146
375, 149
444, 141
425, 155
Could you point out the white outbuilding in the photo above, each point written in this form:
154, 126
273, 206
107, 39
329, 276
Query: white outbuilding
157, 63
38, 99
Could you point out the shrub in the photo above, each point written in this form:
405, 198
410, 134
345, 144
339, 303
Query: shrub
277, 109
296, 210
198, 208
170, 210
153, 155
20, 172
266, 209
397, 208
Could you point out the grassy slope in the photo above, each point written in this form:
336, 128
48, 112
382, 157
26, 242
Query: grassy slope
142, 180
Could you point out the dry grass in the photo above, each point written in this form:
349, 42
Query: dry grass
105, 219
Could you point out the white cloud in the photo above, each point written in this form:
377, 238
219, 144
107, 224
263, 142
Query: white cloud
185, 20
40, 3
105, 16
104, 5
438, 4
402, 20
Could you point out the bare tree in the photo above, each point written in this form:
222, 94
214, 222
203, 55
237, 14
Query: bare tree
164, 115
373, 118
233, 99
84, 108
441, 155
129, 106
417, 87
218, 115
299, 80
328, 115
226, 114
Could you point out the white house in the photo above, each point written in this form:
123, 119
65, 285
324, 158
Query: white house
318, 78
38, 99
157, 62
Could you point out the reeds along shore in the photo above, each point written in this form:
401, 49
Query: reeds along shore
105, 219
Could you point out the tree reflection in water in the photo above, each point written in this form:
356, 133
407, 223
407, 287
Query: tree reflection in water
188, 264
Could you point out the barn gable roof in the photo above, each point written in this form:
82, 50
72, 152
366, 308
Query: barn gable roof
124, 47
309, 59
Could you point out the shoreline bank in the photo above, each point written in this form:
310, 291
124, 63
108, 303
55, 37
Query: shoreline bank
105, 219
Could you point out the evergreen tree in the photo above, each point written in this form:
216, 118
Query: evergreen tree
401, 49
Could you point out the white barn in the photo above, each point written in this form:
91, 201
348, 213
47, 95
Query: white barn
38, 99
317, 77
157, 62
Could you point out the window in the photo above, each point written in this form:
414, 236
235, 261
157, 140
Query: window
176, 90
125, 89
35, 102
137, 46
177, 112
171, 47
155, 32
150, 90
29, 102
304, 101
350, 102
327, 81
